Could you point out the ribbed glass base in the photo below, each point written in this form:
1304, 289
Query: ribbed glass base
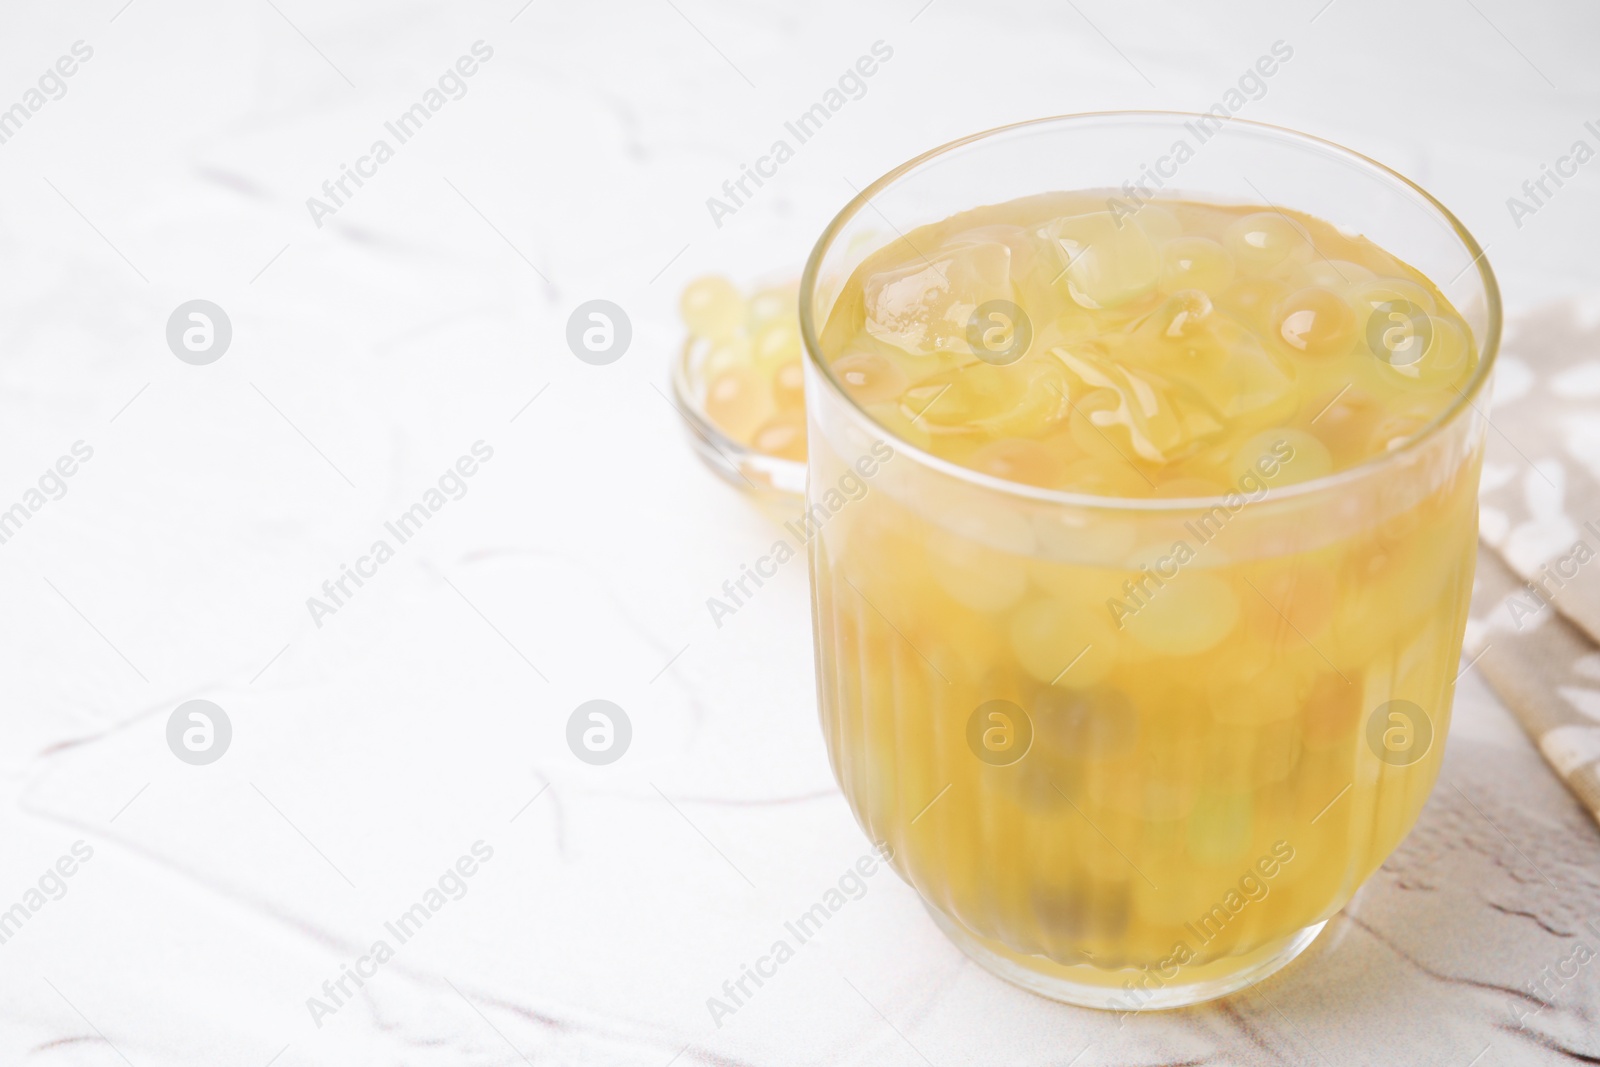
1127, 990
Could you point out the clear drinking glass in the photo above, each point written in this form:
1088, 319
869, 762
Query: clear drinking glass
1164, 826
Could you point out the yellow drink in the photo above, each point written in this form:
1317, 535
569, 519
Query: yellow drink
1139, 651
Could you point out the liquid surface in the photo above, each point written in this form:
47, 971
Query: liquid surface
1152, 352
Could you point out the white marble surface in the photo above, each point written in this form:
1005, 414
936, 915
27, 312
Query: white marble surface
371, 752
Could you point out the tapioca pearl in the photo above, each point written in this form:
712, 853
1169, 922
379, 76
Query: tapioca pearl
1330, 711
974, 574
1344, 419
1186, 488
1017, 459
887, 562
1370, 296
959, 447
773, 303
1113, 787
1375, 258
1079, 587
1316, 322
1165, 800
1172, 701
1186, 480
777, 342
723, 354
1401, 508
960, 636
1221, 828
1004, 528
1030, 400
1068, 645
1292, 603
1401, 519
1266, 697
1061, 444
1159, 222
1261, 538
1252, 301
1208, 220
871, 377
1264, 240
1237, 664
1367, 559
1100, 911
1166, 545
1113, 477
1243, 757
1187, 614
1094, 724
1076, 542
958, 400
1396, 336
1397, 429
1275, 458
1337, 274
1207, 464
1170, 546
1427, 662
1186, 316
783, 435
1196, 263
900, 427
712, 307
1351, 512
1426, 566
1376, 596
1434, 358
789, 385
738, 401
1183, 898
1162, 834
1039, 781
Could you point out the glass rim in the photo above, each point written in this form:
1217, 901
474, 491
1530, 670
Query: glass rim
1367, 467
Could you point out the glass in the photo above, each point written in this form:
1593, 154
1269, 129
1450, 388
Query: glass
1167, 826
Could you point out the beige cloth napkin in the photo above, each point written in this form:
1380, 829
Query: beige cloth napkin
1535, 625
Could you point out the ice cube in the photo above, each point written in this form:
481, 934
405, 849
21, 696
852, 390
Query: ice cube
924, 307
1024, 248
1105, 262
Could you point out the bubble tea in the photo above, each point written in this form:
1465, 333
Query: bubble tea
1133, 702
